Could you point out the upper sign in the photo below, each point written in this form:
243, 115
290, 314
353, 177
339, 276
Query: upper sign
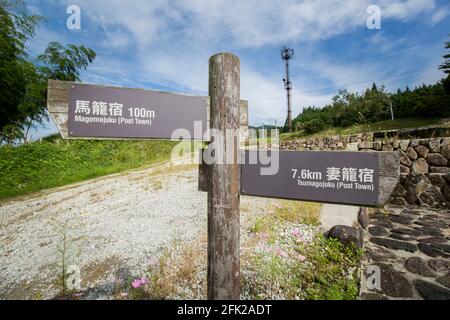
112, 112
336, 177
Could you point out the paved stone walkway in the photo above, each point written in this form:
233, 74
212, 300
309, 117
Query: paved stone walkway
412, 250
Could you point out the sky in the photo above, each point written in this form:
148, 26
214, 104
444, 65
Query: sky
165, 45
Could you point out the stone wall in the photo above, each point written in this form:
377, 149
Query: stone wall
424, 170
349, 142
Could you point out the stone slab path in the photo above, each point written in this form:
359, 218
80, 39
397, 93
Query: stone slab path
411, 248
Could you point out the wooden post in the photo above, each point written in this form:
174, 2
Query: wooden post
224, 180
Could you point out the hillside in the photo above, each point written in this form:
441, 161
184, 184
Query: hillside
376, 126
54, 162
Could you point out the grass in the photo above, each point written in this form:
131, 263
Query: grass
376, 126
53, 162
327, 271
283, 256
288, 260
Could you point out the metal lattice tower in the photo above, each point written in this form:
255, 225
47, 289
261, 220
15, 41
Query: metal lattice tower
286, 55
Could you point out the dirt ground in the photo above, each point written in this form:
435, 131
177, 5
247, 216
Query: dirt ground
110, 227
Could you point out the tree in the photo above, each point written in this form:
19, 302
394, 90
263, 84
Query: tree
23, 83
446, 68
15, 29
446, 65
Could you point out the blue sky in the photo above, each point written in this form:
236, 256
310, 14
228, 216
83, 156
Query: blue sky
166, 45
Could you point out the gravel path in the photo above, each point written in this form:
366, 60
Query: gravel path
119, 223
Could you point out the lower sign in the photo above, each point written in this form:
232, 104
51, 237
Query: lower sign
335, 177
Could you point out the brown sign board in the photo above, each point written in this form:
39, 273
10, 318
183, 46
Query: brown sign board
113, 112
145, 114
96, 111
353, 178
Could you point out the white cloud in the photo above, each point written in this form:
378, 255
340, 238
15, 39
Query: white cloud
440, 15
169, 42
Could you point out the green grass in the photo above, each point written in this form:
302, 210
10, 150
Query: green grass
54, 162
376, 126
329, 272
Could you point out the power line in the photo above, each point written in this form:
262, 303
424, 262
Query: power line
346, 84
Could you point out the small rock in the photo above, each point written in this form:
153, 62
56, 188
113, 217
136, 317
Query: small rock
444, 280
377, 145
365, 145
420, 166
422, 151
439, 265
378, 231
446, 192
417, 266
397, 201
380, 254
434, 144
404, 170
383, 223
445, 151
436, 159
400, 219
400, 236
414, 143
437, 179
396, 144
404, 159
346, 235
412, 154
387, 147
440, 169
433, 240
399, 191
393, 283
404, 145
413, 212
407, 231
394, 244
430, 231
432, 251
430, 291
431, 196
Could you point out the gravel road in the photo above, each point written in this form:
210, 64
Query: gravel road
115, 224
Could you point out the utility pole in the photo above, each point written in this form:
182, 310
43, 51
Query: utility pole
390, 107
286, 55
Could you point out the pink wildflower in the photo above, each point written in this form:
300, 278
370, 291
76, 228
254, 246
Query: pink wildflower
136, 283
124, 294
301, 258
139, 282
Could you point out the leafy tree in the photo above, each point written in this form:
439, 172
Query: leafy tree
23, 83
15, 30
446, 68
446, 65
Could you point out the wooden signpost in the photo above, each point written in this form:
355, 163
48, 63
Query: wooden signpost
83, 111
